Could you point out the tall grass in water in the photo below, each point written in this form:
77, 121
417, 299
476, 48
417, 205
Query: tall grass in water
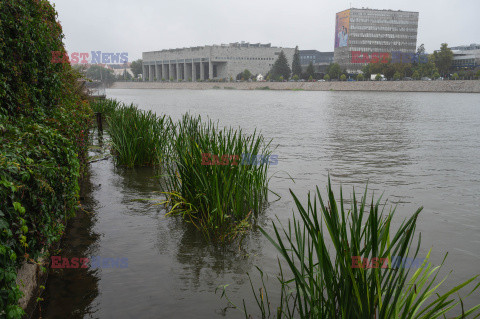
106, 106
138, 137
218, 199
324, 284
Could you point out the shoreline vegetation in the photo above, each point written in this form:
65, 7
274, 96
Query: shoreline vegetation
219, 200
459, 86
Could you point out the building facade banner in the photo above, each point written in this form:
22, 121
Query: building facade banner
342, 24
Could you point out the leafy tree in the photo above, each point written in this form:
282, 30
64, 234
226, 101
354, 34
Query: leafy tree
334, 70
295, 78
478, 74
416, 75
421, 49
296, 67
366, 71
436, 75
280, 68
137, 67
443, 59
378, 77
397, 76
310, 78
343, 77
326, 77
281, 78
455, 76
310, 70
360, 77
99, 73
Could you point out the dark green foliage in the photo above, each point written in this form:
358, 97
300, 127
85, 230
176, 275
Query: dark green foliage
280, 68
136, 67
334, 71
99, 73
310, 71
296, 66
44, 122
443, 59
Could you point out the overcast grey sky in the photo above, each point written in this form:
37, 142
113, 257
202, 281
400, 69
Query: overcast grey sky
148, 25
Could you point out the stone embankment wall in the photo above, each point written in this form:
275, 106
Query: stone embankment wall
472, 86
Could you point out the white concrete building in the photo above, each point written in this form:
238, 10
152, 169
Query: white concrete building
211, 62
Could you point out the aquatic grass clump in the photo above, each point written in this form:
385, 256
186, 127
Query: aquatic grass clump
326, 284
138, 137
218, 199
105, 106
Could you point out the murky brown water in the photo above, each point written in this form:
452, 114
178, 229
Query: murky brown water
420, 149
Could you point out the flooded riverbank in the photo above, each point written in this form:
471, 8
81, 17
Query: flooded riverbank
420, 149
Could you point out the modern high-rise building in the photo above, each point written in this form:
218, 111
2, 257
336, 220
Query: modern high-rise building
211, 62
367, 35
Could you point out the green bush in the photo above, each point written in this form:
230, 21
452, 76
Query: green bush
326, 77
360, 77
455, 76
378, 77
343, 77
397, 76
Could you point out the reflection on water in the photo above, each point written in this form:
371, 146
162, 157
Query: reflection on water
418, 149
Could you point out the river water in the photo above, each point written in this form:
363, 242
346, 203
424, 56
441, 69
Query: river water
417, 149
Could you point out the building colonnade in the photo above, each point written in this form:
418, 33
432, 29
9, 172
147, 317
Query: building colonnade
179, 70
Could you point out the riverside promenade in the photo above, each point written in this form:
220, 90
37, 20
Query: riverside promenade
472, 86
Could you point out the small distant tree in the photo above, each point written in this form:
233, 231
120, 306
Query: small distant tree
378, 77
334, 70
189, 79
343, 77
231, 79
280, 67
436, 75
416, 75
443, 59
326, 77
455, 76
360, 77
163, 79
136, 67
478, 75
310, 70
268, 77
295, 78
281, 78
296, 67
397, 76
310, 78
247, 74
171, 79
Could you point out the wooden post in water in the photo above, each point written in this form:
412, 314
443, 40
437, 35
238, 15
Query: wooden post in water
99, 121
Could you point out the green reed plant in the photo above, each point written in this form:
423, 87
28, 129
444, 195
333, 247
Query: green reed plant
105, 106
323, 283
217, 199
138, 137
